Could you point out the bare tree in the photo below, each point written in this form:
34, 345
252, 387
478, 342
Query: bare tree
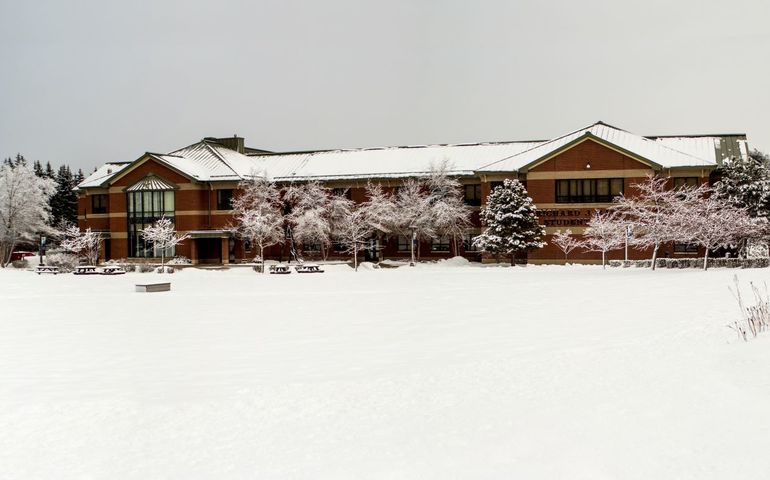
451, 216
413, 216
653, 212
565, 241
352, 227
309, 216
257, 212
604, 233
24, 207
85, 244
712, 222
163, 237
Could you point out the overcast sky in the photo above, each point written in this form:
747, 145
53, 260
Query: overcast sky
86, 82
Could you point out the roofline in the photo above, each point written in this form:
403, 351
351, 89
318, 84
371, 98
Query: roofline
698, 135
391, 147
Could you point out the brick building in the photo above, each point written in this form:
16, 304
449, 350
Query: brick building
567, 177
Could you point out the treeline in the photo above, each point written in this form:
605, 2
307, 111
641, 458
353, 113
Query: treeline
64, 201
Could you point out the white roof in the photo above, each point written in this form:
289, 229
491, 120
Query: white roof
211, 161
390, 162
656, 152
102, 174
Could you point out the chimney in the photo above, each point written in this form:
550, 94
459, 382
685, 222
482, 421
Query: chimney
233, 143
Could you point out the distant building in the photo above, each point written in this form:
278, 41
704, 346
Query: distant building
567, 177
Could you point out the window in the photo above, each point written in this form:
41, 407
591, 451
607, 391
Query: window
311, 247
685, 182
468, 239
99, 203
224, 199
440, 244
145, 207
685, 248
494, 185
588, 190
338, 247
473, 194
403, 243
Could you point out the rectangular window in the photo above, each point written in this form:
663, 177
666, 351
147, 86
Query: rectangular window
588, 190
685, 182
473, 194
440, 244
224, 199
144, 209
403, 243
685, 248
468, 239
99, 203
311, 247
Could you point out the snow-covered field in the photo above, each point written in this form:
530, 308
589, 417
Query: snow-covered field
427, 372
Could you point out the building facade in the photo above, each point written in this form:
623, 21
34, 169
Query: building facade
567, 177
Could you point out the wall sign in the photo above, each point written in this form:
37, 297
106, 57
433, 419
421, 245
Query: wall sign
567, 217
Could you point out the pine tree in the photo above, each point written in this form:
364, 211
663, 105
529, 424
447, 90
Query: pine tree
49, 171
746, 183
511, 222
37, 168
64, 202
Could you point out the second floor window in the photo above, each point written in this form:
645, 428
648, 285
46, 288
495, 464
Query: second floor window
225, 199
473, 194
588, 190
99, 203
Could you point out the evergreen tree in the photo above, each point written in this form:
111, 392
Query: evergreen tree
746, 183
64, 202
511, 222
37, 168
49, 171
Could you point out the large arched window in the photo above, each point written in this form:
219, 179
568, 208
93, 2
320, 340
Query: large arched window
147, 201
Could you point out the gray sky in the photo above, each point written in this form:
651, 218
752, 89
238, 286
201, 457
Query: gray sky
85, 82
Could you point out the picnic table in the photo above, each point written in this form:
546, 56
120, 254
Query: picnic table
46, 269
86, 270
280, 269
308, 268
113, 270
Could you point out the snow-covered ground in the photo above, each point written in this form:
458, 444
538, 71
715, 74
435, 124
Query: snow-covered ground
427, 372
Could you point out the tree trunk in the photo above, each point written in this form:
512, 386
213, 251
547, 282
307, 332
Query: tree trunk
706, 259
604, 262
355, 257
513, 259
655, 255
262, 258
411, 249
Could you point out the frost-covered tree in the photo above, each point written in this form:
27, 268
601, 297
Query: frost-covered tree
604, 233
565, 241
83, 244
24, 207
412, 214
451, 216
712, 222
511, 223
308, 216
746, 183
652, 212
352, 228
162, 235
258, 214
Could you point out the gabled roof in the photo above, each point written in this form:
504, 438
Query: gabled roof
151, 182
103, 174
656, 154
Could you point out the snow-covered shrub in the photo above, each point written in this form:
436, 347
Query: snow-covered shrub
616, 263
754, 318
162, 269
23, 263
65, 261
145, 267
179, 260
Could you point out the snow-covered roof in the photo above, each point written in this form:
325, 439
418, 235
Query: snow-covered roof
102, 174
390, 162
151, 182
209, 160
657, 153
